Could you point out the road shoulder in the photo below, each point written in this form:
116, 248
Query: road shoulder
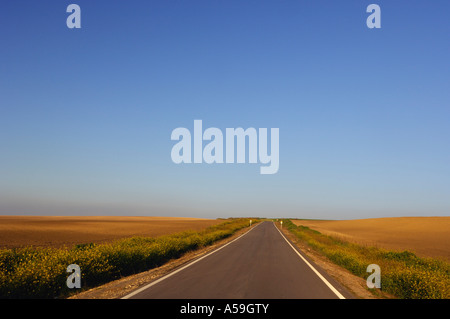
121, 287
355, 285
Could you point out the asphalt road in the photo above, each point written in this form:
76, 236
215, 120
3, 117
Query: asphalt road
261, 264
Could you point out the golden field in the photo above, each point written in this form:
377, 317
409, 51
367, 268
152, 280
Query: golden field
41, 272
425, 236
58, 231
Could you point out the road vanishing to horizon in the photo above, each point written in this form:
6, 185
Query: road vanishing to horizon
260, 264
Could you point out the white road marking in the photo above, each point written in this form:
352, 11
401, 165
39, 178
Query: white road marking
337, 293
184, 267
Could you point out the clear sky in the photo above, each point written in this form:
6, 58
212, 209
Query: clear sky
86, 114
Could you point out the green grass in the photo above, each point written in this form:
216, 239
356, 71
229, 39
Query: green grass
34, 272
403, 274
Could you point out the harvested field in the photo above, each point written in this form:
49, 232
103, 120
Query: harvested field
425, 236
58, 231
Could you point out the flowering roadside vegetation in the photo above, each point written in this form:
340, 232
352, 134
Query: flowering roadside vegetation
403, 274
34, 272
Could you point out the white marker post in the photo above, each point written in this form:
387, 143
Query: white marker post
281, 223
250, 223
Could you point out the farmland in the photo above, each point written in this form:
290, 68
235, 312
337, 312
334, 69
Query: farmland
403, 273
40, 272
425, 236
59, 231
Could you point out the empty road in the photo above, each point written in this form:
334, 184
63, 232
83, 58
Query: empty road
258, 265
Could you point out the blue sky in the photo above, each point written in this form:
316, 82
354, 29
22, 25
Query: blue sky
87, 114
